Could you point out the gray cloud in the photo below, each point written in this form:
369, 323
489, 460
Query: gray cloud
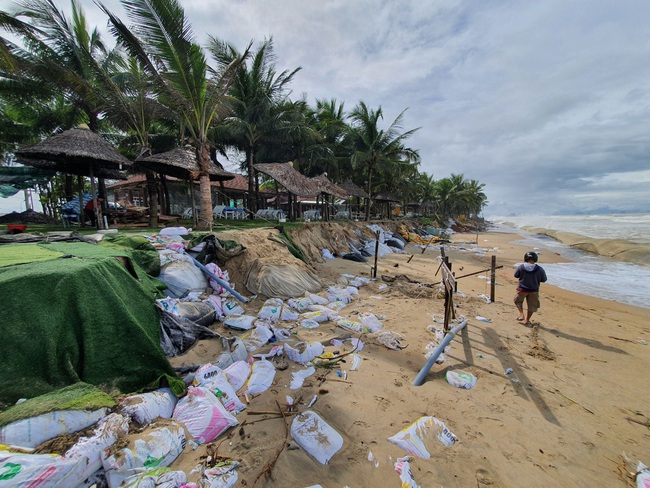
547, 103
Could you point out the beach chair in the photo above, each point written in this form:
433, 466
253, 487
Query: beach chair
218, 212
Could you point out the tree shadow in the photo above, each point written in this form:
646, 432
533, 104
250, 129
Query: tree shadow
583, 340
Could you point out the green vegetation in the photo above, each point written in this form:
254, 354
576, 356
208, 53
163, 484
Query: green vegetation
158, 88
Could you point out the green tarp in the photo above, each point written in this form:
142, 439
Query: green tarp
84, 317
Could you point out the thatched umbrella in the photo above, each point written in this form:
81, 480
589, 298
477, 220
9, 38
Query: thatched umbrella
329, 188
77, 151
354, 191
182, 163
294, 182
387, 198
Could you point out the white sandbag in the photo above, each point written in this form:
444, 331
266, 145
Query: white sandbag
155, 447
271, 310
288, 314
461, 379
329, 313
352, 325
237, 374
261, 378
145, 407
309, 324
40, 470
205, 373
309, 352
240, 322
370, 322
316, 316
231, 307
158, 478
223, 476
234, 350
335, 294
259, 336
34, 431
352, 290
89, 449
315, 436
224, 391
269, 278
317, 299
417, 437
219, 273
215, 302
182, 277
336, 306
203, 415
299, 377
301, 304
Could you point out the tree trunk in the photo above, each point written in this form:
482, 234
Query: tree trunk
152, 190
251, 181
205, 222
369, 191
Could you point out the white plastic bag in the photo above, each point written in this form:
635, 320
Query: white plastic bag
310, 351
182, 277
262, 375
403, 468
89, 449
315, 436
156, 479
219, 273
461, 379
300, 304
271, 310
299, 377
237, 374
316, 316
34, 431
145, 407
415, 438
156, 447
40, 470
370, 322
224, 391
240, 322
203, 415
231, 307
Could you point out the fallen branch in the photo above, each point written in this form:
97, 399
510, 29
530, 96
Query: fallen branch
640, 422
572, 400
268, 412
268, 467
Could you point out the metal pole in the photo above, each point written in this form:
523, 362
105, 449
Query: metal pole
220, 281
493, 278
374, 270
419, 379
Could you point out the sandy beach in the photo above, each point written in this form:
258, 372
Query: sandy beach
564, 417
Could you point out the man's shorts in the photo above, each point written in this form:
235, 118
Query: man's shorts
531, 297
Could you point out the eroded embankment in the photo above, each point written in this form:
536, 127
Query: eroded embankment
619, 249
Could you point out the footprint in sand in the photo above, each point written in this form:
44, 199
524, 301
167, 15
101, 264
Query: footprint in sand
384, 403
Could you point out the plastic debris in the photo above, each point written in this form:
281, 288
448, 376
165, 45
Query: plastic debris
461, 379
315, 436
299, 377
403, 468
414, 438
483, 319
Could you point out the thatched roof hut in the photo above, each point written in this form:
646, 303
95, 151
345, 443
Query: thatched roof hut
385, 197
292, 180
330, 188
353, 190
182, 163
106, 173
76, 151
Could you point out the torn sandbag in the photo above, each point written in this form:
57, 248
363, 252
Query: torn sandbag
197, 312
181, 276
280, 280
178, 334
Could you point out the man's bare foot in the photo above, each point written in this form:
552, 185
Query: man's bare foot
520, 318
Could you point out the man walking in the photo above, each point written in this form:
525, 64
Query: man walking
530, 276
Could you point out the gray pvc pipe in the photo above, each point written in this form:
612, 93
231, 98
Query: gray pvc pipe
220, 281
419, 379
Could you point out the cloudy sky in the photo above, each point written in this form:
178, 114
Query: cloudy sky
546, 103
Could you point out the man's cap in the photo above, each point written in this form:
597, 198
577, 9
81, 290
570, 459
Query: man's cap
530, 255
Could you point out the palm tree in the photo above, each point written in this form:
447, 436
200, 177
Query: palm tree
163, 42
255, 94
373, 148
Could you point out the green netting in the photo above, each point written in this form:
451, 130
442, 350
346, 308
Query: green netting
25, 253
80, 396
142, 251
81, 318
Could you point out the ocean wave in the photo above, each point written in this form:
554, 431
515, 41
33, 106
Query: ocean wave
619, 249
